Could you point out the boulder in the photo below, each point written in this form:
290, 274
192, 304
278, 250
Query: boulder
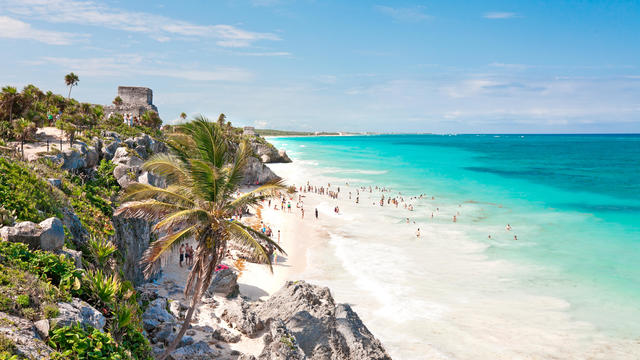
109, 150
48, 235
198, 351
78, 311
225, 282
157, 310
150, 179
79, 235
52, 235
73, 159
25, 336
268, 153
239, 315
42, 328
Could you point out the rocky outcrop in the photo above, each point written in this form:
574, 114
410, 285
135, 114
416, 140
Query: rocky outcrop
79, 156
132, 237
308, 313
130, 157
198, 351
225, 283
47, 235
257, 173
280, 344
78, 312
268, 153
24, 336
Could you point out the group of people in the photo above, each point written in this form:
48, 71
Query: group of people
186, 255
130, 120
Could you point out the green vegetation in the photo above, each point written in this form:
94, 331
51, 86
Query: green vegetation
202, 173
75, 342
7, 349
27, 196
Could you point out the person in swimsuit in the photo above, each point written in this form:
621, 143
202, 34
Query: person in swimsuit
181, 254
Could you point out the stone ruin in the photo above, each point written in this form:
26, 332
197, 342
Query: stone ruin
135, 101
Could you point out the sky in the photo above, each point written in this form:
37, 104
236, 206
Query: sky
383, 66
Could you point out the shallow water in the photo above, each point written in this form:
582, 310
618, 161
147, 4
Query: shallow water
569, 287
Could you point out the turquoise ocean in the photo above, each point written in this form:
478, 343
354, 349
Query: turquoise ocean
573, 201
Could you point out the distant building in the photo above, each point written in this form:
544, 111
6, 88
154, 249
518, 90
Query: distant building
135, 101
249, 130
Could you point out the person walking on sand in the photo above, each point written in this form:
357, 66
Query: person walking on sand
316, 213
278, 237
302, 212
181, 254
418, 233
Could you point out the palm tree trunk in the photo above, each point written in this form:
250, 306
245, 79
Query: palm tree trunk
11, 112
69, 96
187, 320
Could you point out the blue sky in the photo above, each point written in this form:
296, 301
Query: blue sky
419, 66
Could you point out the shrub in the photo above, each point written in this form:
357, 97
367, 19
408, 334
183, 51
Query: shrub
23, 300
24, 194
74, 342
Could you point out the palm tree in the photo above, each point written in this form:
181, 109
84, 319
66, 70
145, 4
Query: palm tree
9, 97
221, 119
117, 101
71, 80
183, 116
202, 173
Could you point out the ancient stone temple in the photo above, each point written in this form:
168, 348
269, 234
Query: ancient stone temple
135, 101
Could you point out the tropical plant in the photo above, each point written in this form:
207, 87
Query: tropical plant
71, 80
101, 251
102, 288
203, 174
151, 119
76, 342
23, 129
117, 101
183, 116
9, 97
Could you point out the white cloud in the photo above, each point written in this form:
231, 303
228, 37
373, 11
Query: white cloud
134, 65
404, 14
499, 15
158, 27
15, 29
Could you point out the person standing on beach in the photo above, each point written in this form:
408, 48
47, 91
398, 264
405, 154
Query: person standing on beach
181, 254
278, 237
316, 213
302, 212
418, 233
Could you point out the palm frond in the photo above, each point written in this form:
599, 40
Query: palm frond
139, 191
241, 235
168, 166
248, 198
182, 218
160, 246
150, 210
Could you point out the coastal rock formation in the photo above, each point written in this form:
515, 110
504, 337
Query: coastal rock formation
257, 173
47, 235
78, 311
321, 329
132, 237
268, 153
279, 343
24, 336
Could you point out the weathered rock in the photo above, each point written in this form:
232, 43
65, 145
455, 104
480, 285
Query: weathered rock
197, 351
55, 183
78, 311
79, 234
225, 335
142, 151
109, 150
23, 334
225, 282
132, 236
178, 309
48, 235
240, 316
42, 328
257, 173
73, 159
322, 329
280, 344
157, 310
153, 180
73, 255
269, 154
52, 236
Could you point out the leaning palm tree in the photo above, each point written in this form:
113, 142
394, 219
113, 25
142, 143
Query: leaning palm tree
71, 80
203, 173
9, 97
